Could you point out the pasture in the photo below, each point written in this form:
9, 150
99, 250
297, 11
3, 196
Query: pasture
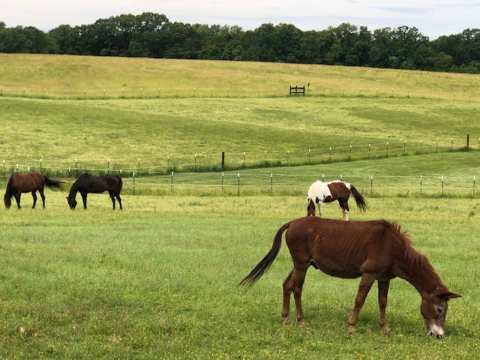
159, 280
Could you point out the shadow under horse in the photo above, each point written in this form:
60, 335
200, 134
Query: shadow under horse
28, 183
87, 183
372, 250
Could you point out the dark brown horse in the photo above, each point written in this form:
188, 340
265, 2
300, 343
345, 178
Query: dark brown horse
28, 183
372, 250
87, 183
325, 192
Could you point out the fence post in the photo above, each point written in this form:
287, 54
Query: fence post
195, 160
223, 181
387, 148
371, 185
330, 154
404, 148
171, 182
308, 155
350, 153
133, 181
442, 185
369, 149
271, 183
421, 184
473, 190
238, 184
244, 156
468, 142
223, 160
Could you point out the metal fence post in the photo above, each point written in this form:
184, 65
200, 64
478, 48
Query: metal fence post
238, 184
133, 181
442, 185
171, 182
223, 181
371, 185
271, 183
421, 184
474, 181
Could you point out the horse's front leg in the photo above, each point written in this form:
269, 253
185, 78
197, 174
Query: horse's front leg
34, 196
84, 199
363, 289
17, 199
383, 286
112, 197
42, 195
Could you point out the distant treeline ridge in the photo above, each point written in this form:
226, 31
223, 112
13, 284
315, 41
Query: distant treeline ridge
153, 35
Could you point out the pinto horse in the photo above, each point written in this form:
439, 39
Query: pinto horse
337, 190
28, 183
371, 250
87, 183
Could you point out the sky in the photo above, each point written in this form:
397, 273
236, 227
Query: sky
433, 18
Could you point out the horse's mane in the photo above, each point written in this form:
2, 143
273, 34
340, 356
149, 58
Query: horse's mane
413, 258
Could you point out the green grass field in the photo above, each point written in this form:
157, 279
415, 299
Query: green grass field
159, 280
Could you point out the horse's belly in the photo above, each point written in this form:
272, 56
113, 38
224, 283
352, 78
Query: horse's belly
333, 269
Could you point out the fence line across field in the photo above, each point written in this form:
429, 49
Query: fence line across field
200, 162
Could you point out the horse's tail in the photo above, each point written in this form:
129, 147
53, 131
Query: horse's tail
52, 183
268, 259
359, 199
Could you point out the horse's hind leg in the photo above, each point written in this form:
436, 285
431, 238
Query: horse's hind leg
112, 197
119, 199
34, 196
42, 195
287, 292
383, 286
363, 289
84, 199
298, 278
345, 209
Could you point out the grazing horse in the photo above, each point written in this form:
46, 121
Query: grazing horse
87, 183
371, 250
337, 190
28, 183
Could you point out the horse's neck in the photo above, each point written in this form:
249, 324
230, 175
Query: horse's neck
73, 191
417, 270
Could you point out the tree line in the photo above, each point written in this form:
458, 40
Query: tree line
153, 35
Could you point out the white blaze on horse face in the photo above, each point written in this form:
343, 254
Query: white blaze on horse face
436, 330
319, 190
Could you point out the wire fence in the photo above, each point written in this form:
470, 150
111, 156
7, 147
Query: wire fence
283, 184
223, 161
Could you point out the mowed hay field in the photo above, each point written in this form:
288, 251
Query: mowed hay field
71, 109
160, 280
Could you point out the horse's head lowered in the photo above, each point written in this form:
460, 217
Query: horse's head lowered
71, 202
7, 199
310, 208
434, 310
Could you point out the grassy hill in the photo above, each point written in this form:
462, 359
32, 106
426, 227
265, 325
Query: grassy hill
198, 109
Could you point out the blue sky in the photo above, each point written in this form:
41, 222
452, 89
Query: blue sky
433, 18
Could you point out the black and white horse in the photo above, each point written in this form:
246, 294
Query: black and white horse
325, 192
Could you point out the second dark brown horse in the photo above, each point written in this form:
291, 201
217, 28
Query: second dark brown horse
28, 183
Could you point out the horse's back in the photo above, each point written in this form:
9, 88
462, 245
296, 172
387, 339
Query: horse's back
26, 182
336, 247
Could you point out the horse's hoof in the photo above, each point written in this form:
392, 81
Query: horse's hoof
301, 322
385, 330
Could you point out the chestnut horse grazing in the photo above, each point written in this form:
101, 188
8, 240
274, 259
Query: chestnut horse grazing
371, 250
337, 190
28, 183
87, 183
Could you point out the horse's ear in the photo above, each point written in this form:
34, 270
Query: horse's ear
447, 295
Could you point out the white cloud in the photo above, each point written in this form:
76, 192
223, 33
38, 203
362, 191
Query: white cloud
432, 17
